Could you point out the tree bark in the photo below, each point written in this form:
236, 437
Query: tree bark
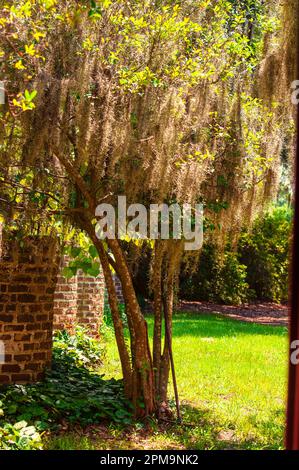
118, 326
117, 322
143, 390
157, 290
165, 359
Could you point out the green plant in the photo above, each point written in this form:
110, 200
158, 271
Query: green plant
265, 251
122, 313
78, 347
19, 436
258, 269
219, 278
231, 282
71, 392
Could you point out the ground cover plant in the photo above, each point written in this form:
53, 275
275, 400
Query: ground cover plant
70, 393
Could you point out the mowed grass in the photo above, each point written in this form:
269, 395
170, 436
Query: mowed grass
232, 380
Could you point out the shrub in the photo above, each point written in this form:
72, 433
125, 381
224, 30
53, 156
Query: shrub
217, 279
79, 347
231, 281
265, 252
257, 270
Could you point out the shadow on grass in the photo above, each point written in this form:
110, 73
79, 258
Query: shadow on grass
213, 325
199, 431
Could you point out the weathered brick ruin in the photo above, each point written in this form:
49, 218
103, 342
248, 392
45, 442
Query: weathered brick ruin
28, 275
79, 300
34, 298
118, 288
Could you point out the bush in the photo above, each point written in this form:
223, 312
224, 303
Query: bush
265, 252
217, 279
232, 286
78, 347
257, 270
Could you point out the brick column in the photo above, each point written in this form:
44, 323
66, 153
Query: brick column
79, 300
65, 299
28, 276
90, 301
118, 288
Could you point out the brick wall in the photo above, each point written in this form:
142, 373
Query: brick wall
28, 276
35, 299
79, 300
65, 300
118, 288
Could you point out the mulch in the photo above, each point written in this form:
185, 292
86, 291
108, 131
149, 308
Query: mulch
261, 313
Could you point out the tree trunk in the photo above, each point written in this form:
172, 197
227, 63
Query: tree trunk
143, 390
145, 382
170, 265
117, 322
118, 328
165, 360
157, 289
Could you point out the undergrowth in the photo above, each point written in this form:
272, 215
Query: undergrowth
71, 392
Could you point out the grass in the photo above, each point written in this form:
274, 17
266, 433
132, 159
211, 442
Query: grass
232, 380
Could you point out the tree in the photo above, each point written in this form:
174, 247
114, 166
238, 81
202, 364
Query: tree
153, 100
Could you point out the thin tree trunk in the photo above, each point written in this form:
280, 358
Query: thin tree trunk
143, 391
157, 289
113, 303
165, 360
170, 268
118, 327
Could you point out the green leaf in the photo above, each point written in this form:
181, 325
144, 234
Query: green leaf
93, 251
69, 272
94, 271
20, 425
75, 251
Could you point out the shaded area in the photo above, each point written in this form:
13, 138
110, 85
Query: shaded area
200, 431
262, 313
70, 395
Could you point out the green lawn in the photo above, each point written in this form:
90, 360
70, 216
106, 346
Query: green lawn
232, 380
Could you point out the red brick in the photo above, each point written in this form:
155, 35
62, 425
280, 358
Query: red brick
22, 357
10, 368
39, 356
6, 318
19, 378
22, 337
4, 379
26, 298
